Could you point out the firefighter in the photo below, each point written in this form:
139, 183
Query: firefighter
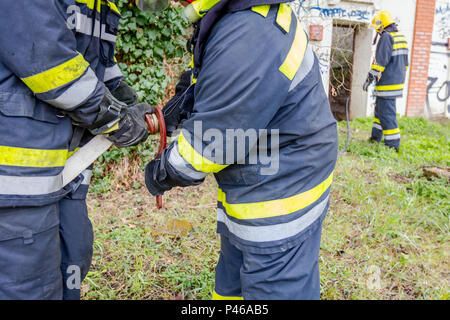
258, 118
59, 86
389, 72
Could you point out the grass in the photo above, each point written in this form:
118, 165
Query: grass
386, 235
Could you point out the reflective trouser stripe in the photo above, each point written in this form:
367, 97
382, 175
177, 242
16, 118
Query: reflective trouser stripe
112, 73
274, 208
284, 17
295, 56
377, 120
195, 159
262, 9
377, 126
394, 93
390, 87
30, 186
274, 232
77, 93
391, 131
22, 157
216, 296
57, 76
392, 136
182, 166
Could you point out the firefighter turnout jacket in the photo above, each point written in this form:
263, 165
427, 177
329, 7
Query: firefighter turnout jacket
391, 64
261, 123
56, 57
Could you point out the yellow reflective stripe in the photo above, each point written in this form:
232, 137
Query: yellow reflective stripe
274, 208
195, 159
284, 17
376, 120
203, 5
70, 153
392, 131
400, 46
295, 56
378, 68
112, 6
113, 128
57, 76
219, 297
262, 9
400, 39
391, 87
90, 4
22, 157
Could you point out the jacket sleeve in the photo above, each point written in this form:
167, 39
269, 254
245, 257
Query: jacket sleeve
37, 45
239, 90
383, 54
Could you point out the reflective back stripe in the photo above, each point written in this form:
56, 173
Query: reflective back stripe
84, 25
216, 296
273, 232
262, 9
284, 17
295, 56
35, 158
30, 186
195, 159
400, 46
274, 208
77, 93
390, 87
391, 131
57, 76
400, 52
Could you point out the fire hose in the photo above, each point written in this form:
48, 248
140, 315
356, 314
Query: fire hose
156, 123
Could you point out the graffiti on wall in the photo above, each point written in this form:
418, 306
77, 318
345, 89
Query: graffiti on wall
314, 8
438, 88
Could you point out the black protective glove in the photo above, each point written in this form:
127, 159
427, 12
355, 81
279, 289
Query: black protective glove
108, 115
132, 126
179, 107
369, 80
124, 93
161, 177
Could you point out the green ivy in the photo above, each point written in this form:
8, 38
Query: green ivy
145, 44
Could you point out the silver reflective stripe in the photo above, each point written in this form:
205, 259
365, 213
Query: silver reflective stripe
395, 136
272, 232
377, 126
77, 93
400, 52
179, 164
84, 25
305, 68
112, 72
388, 93
30, 186
87, 175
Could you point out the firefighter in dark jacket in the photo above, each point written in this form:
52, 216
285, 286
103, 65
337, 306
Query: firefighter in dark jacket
59, 86
389, 72
258, 118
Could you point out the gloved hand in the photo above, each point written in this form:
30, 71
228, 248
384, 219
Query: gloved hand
369, 80
125, 93
132, 126
182, 100
160, 176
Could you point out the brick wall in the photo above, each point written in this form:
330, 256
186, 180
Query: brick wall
420, 57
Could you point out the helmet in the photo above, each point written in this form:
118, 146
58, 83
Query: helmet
152, 5
381, 20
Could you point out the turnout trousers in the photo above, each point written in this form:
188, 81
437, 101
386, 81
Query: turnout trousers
45, 252
385, 123
286, 275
